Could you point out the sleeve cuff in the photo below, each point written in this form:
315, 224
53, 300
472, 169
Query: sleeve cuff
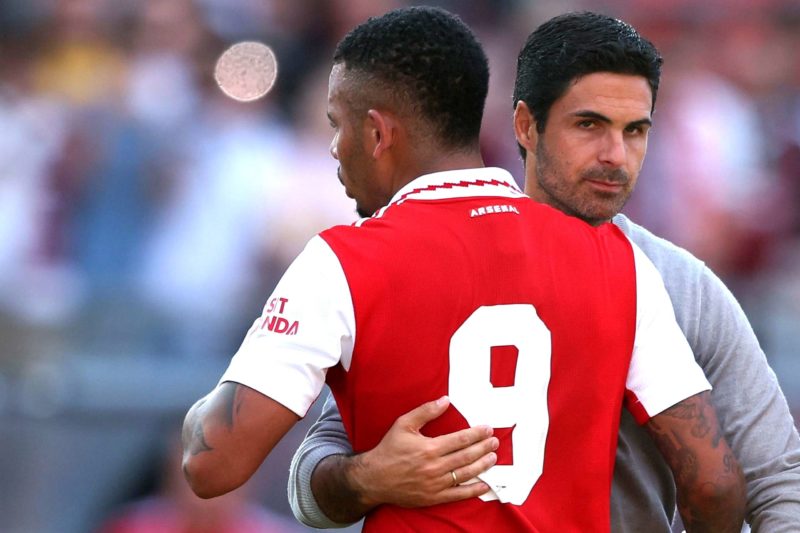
301, 498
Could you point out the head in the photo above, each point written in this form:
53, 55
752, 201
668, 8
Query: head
406, 89
584, 97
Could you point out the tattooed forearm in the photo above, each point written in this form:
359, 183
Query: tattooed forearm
695, 410
708, 478
681, 459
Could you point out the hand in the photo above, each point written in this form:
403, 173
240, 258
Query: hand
411, 470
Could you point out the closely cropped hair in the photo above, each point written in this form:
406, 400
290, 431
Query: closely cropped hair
573, 45
429, 60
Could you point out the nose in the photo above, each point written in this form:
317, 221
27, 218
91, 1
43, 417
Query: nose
613, 152
333, 150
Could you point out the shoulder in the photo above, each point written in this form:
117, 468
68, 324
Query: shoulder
696, 292
665, 255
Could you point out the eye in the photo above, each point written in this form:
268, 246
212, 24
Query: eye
586, 124
638, 129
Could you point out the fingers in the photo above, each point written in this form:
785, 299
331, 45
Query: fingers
416, 418
464, 439
469, 468
461, 492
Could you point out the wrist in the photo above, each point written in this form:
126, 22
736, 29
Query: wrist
357, 475
338, 486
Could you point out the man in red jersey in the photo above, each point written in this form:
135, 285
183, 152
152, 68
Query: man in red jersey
531, 322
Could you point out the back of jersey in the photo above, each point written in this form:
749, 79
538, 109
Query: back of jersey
524, 317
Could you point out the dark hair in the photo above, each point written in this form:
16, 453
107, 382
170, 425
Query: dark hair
573, 45
428, 59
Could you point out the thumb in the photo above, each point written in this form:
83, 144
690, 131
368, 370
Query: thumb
416, 418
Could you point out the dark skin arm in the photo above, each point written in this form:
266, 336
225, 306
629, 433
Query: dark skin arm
228, 434
406, 468
708, 478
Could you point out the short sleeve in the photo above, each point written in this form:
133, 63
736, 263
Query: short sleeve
663, 369
307, 326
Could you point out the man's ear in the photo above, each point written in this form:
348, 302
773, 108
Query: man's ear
381, 132
525, 127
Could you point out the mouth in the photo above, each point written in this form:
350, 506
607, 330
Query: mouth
341, 180
607, 181
606, 186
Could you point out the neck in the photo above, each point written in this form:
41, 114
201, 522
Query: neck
441, 162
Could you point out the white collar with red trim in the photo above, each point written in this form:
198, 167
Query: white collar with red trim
467, 183
488, 181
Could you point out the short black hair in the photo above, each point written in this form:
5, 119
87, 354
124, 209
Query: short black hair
573, 45
429, 59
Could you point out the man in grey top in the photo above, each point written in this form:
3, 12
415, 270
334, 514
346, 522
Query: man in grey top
574, 158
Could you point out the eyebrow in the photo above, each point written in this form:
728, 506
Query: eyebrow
585, 113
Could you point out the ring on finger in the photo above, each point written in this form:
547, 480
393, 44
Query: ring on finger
455, 477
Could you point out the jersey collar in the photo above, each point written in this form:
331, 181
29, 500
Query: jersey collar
468, 183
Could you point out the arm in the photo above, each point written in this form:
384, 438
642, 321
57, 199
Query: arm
405, 468
274, 377
228, 434
708, 478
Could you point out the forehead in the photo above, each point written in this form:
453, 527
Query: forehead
609, 94
335, 82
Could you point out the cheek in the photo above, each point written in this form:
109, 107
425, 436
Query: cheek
573, 153
574, 162
636, 155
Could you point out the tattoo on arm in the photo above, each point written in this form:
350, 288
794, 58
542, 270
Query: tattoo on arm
194, 440
678, 455
690, 439
226, 407
199, 444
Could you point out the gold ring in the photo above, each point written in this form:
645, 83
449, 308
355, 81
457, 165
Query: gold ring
455, 478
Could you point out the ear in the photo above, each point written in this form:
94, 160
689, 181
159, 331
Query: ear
525, 128
381, 132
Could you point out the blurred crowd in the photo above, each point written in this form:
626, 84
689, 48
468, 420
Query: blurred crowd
145, 216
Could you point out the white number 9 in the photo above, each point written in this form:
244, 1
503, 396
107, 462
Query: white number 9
522, 406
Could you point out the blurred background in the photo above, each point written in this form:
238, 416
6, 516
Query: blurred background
145, 216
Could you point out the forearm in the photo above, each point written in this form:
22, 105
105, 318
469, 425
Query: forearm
335, 488
709, 481
716, 506
325, 438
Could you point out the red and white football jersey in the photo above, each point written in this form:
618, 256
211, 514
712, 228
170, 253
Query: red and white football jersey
532, 322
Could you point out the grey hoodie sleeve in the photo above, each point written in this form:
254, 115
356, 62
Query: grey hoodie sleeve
326, 437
